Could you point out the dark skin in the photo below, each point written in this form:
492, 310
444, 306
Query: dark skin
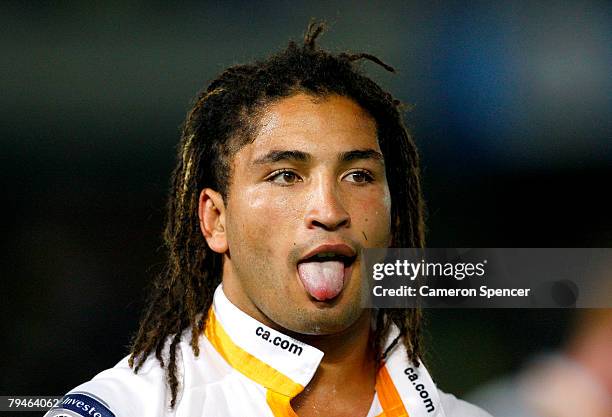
333, 192
348, 357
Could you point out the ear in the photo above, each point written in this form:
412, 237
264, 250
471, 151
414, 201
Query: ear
211, 211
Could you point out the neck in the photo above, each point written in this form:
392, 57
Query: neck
348, 357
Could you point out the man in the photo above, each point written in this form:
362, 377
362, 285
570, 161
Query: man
287, 168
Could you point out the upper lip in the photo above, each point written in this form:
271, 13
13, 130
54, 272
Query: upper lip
340, 249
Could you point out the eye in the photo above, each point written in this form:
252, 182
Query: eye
284, 177
359, 177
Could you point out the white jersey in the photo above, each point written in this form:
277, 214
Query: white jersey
246, 368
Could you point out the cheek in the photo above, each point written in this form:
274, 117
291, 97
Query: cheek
372, 218
257, 220
246, 219
264, 208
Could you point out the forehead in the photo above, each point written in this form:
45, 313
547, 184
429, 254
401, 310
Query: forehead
315, 124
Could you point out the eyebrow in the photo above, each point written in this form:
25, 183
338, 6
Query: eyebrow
361, 154
300, 156
276, 156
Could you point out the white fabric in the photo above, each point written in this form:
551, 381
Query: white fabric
210, 387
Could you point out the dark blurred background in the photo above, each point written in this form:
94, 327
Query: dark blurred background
511, 111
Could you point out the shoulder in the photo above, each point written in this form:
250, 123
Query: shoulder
124, 393
119, 392
454, 407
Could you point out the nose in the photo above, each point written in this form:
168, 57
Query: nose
325, 209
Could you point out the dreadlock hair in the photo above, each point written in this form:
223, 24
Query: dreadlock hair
221, 121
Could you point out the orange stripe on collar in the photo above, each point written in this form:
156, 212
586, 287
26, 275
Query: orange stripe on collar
247, 364
388, 396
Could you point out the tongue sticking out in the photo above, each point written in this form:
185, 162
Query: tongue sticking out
322, 280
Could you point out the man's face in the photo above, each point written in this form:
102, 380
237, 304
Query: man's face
306, 195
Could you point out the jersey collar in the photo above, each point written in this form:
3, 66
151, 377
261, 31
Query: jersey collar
270, 358
284, 365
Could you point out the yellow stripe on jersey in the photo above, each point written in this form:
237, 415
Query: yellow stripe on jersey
247, 364
280, 404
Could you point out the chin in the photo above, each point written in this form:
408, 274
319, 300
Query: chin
324, 321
